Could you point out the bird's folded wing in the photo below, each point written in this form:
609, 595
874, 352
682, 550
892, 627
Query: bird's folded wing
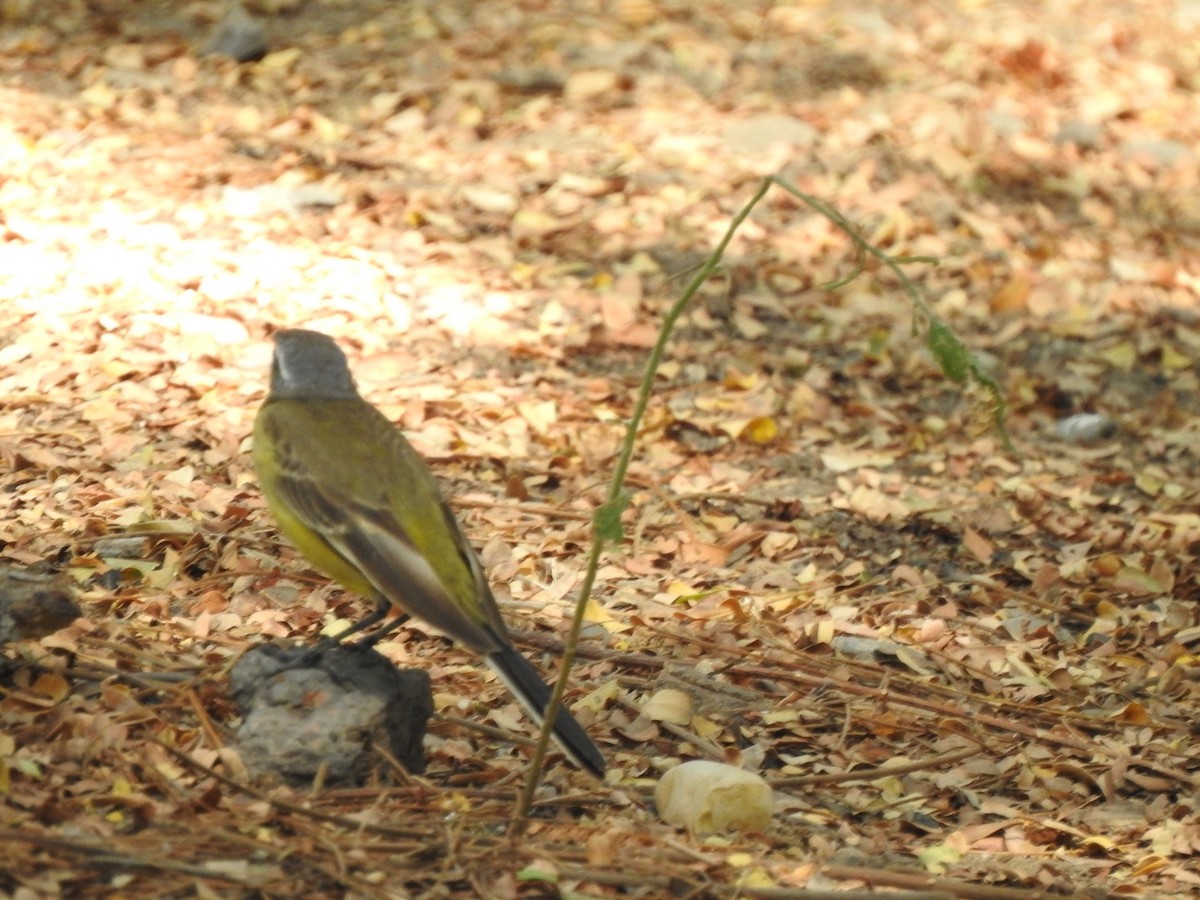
375, 543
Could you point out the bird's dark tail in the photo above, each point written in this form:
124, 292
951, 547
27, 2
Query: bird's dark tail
527, 686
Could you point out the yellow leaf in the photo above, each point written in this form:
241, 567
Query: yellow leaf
280, 59
98, 410
166, 573
890, 786
740, 381
1173, 360
1148, 483
823, 633
589, 83
248, 119
779, 716
939, 858
757, 878
540, 415
116, 369
142, 566
1133, 580
734, 427
99, 94
327, 129
761, 430
335, 627
1120, 356
680, 589
596, 613
597, 699
529, 223
1149, 865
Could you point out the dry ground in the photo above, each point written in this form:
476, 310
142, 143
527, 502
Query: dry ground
951, 660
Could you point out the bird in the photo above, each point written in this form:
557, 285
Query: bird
348, 489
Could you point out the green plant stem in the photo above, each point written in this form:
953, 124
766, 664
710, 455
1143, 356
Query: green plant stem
616, 498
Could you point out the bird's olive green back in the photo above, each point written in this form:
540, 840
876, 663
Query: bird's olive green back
347, 488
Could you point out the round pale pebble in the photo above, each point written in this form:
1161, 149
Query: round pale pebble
706, 797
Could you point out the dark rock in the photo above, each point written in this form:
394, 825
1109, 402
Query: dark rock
239, 36
304, 708
34, 604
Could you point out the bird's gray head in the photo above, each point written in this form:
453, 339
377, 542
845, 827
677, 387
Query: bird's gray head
308, 365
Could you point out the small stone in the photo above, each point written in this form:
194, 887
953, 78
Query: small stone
1085, 135
239, 36
1086, 428
706, 797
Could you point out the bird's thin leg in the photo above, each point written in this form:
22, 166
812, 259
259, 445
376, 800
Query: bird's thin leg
368, 622
384, 630
326, 643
